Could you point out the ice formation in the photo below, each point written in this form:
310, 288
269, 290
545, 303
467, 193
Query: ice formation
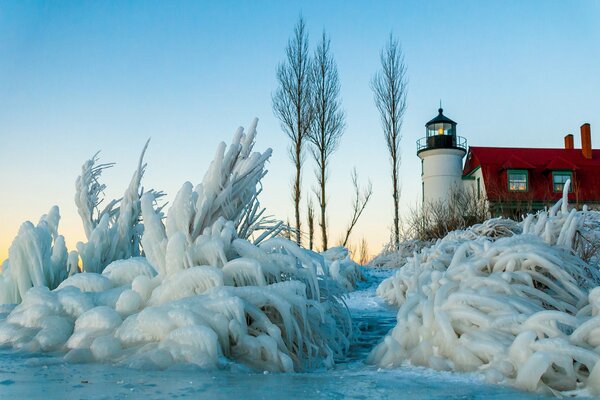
114, 232
513, 302
37, 257
209, 284
390, 257
341, 267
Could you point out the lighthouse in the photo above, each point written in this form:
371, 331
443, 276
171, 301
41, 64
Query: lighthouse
441, 153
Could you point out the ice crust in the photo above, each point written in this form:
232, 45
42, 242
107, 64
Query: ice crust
209, 284
514, 302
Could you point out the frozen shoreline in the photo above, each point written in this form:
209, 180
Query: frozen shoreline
34, 376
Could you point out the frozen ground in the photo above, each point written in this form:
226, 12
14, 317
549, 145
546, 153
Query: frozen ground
43, 376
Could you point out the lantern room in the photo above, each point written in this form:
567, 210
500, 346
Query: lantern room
441, 133
440, 125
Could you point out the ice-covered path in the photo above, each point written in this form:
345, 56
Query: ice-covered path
43, 376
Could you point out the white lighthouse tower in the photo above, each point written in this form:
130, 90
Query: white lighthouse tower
441, 153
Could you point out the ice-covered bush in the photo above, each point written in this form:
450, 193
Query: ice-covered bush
37, 257
341, 267
114, 232
522, 309
391, 258
214, 287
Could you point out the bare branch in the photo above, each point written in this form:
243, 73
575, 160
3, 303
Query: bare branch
361, 198
434, 220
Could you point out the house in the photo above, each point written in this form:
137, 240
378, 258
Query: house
513, 180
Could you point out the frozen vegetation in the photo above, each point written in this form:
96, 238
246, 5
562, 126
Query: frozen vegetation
515, 302
208, 283
390, 258
33, 376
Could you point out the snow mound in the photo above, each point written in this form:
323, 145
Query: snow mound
521, 309
208, 291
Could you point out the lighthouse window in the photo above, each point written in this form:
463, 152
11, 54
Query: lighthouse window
559, 178
517, 180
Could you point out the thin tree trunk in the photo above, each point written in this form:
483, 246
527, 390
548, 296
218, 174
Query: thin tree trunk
311, 225
297, 194
396, 216
323, 223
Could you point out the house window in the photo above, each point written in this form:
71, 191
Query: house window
559, 178
478, 189
517, 180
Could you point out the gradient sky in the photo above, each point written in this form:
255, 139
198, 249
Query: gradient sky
77, 77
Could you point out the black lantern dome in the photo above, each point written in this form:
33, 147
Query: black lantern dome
440, 133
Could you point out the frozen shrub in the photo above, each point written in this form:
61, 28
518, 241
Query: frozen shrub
216, 285
521, 308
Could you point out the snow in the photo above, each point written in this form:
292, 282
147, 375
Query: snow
516, 305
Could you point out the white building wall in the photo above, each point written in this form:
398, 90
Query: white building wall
442, 171
472, 185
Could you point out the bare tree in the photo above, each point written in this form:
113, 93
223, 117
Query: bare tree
329, 122
292, 104
311, 224
363, 252
361, 198
390, 87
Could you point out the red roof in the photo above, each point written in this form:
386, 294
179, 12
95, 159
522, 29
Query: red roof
561, 163
515, 162
494, 161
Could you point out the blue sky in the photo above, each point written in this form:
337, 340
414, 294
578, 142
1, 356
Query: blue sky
77, 77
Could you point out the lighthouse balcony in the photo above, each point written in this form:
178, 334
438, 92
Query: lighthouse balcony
441, 142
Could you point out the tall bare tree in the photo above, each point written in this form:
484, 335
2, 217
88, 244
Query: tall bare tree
328, 125
292, 104
390, 87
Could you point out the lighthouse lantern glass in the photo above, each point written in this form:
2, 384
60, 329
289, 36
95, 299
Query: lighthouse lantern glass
440, 129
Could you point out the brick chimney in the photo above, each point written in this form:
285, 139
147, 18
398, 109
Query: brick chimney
586, 141
569, 142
